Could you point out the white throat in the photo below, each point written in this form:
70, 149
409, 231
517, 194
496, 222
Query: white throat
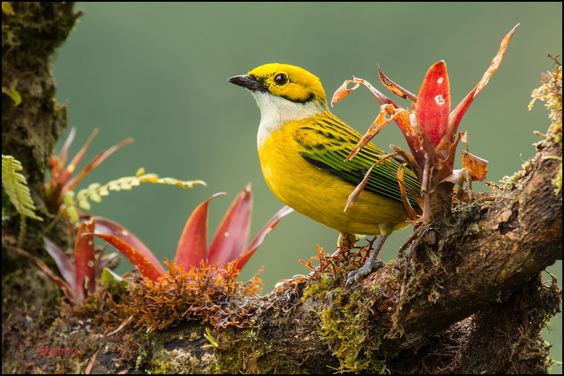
276, 111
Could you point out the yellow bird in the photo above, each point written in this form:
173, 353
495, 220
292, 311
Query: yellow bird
302, 148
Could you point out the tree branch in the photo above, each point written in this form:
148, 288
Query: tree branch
464, 295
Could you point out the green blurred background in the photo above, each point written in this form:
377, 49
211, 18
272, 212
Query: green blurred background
158, 72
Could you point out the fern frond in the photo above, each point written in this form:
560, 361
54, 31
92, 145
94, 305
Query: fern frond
95, 191
15, 186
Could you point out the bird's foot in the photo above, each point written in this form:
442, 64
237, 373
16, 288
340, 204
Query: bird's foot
363, 271
371, 264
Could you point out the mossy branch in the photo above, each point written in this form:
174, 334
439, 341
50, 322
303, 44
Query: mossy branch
457, 284
464, 296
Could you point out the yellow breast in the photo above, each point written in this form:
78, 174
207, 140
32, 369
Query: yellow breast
319, 194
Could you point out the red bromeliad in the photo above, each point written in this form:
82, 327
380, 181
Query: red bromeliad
228, 244
79, 278
62, 178
430, 129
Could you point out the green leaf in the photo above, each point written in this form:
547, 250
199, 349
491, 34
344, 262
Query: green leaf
95, 191
112, 280
211, 340
12, 92
15, 186
7, 8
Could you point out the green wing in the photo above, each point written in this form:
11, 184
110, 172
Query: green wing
327, 141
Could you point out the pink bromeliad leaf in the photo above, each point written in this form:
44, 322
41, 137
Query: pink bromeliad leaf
272, 222
433, 103
192, 245
84, 259
233, 232
64, 264
107, 226
145, 266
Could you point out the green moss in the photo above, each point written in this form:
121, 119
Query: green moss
241, 351
182, 362
318, 288
344, 326
550, 92
254, 360
557, 181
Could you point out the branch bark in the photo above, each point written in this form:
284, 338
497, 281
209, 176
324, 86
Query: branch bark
464, 296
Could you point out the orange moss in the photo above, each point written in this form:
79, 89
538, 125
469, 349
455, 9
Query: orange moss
336, 263
208, 293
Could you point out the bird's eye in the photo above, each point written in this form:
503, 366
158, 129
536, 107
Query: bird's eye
280, 79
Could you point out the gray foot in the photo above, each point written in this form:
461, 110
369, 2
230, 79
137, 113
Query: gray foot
363, 271
371, 264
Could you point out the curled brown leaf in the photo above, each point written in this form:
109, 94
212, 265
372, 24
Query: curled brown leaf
355, 194
395, 88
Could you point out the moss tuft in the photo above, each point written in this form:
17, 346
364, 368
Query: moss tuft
207, 293
344, 327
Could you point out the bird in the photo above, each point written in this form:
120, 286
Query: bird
302, 149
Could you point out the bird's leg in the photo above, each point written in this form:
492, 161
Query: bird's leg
346, 241
370, 264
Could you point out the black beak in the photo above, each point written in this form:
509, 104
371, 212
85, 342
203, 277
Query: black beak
248, 82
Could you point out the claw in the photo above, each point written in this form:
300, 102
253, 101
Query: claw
359, 274
371, 263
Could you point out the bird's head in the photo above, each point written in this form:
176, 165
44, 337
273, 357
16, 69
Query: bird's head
284, 92
285, 81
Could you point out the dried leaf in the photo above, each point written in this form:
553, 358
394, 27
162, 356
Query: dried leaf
233, 232
410, 211
257, 241
407, 157
401, 116
95, 162
395, 88
64, 153
433, 104
380, 123
343, 91
464, 138
477, 166
459, 177
145, 267
105, 225
355, 194
90, 365
77, 158
457, 114
192, 245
